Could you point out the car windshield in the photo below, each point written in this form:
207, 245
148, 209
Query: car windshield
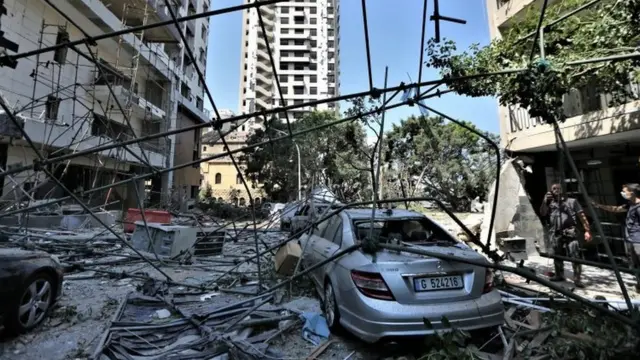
415, 231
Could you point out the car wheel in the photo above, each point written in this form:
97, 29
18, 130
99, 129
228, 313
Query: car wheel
330, 307
31, 304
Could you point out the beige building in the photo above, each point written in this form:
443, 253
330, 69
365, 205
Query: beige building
304, 41
222, 175
604, 141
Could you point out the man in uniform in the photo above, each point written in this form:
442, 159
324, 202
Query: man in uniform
563, 213
631, 193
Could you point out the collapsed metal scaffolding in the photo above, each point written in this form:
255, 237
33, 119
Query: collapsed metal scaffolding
413, 96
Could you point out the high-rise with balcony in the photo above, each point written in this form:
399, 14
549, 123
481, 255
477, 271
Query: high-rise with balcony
79, 97
304, 39
603, 140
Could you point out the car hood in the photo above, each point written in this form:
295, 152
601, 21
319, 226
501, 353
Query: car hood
8, 254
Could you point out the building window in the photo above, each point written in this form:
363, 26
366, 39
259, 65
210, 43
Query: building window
283, 78
313, 32
332, 91
331, 67
331, 44
218, 178
314, 43
284, 20
332, 54
313, 21
238, 179
313, 79
243, 202
313, 10
203, 33
330, 32
194, 191
298, 78
284, 10
313, 66
299, 20
284, 42
60, 55
284, 31
298, 90
331, 78
313, 90
298, 67
298, 31
298, 42
52, 106
285, 90
204, 148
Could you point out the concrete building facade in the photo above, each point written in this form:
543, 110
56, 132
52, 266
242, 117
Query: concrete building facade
604, 141
67, 103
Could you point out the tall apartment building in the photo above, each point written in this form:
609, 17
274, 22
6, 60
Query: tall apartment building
603, 140
304, 36
145, 85
304, 39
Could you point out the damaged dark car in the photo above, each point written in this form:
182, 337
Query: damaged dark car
30, 284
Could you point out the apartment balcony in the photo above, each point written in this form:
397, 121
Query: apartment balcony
133, 12
261, 103
104, 18
296, 36
264, 65
263, 79
297, 59
262, 91
305, 47
141, 107
63, 135
268, 10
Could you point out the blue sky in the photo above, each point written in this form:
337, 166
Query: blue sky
394, 35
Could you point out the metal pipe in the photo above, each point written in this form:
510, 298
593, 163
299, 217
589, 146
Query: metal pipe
167, 170
93, 39
264, 112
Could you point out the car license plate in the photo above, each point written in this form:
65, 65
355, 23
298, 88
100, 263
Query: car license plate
438, 283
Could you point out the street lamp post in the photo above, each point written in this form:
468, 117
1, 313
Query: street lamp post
299, 166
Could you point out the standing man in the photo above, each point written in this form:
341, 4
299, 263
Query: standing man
564, 213
631, 193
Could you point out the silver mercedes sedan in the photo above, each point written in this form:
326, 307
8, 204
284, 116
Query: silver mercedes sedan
391, 296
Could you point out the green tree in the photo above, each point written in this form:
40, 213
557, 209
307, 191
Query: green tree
605, 29
428, 156
327, 157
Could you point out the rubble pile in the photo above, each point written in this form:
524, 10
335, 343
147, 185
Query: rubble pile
235, 300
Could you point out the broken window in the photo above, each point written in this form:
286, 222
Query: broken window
52, 106
60, 54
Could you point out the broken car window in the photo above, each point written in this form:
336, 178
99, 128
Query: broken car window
415, 231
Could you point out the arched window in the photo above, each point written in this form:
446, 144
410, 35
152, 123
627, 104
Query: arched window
220, 199
238, 179
257, 201
218, 178
242, 202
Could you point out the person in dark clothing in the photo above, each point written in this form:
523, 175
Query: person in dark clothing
564, 213
631, 193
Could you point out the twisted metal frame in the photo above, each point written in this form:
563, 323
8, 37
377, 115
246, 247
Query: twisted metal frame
40, 164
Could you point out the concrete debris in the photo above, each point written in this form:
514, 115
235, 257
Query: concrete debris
215, 303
